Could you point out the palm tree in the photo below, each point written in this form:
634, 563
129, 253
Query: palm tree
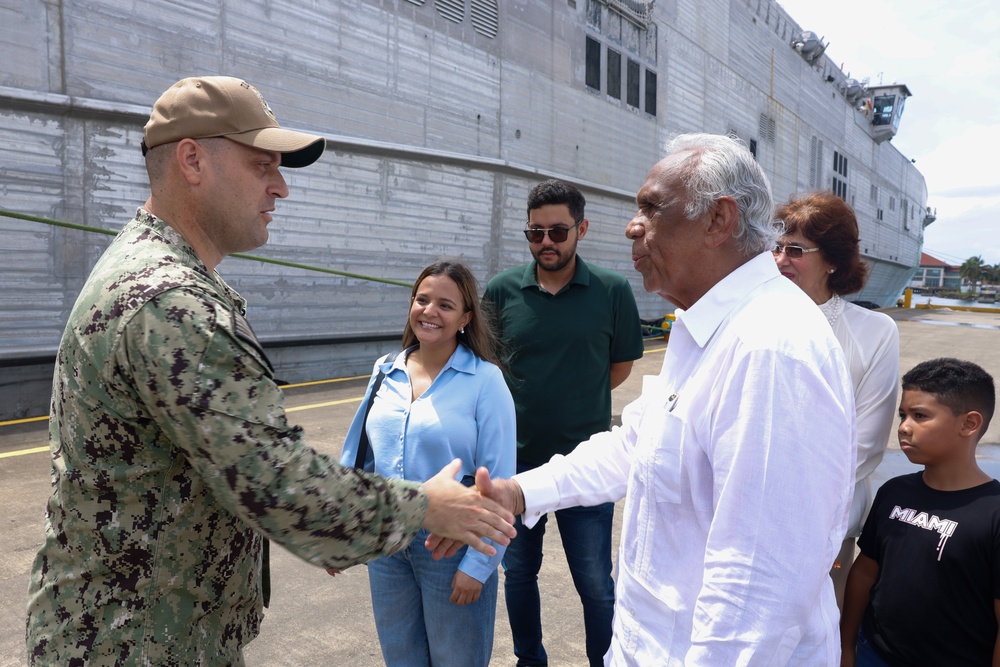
972, 269
993, 275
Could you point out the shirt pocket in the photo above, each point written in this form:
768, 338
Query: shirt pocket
660, 451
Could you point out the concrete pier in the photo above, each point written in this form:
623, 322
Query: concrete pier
318, 620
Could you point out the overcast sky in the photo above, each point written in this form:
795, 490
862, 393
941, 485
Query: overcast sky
948, 55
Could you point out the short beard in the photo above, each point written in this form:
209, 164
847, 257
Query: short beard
564, 261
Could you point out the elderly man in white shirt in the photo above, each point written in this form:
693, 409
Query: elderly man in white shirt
737, 461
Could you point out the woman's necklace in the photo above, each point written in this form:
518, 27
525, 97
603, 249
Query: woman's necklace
832, 308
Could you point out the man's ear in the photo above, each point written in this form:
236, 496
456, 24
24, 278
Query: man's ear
723, 218
191, 160
582, 229
971, 423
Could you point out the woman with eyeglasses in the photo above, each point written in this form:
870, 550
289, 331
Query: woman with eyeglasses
819, 252
443, 397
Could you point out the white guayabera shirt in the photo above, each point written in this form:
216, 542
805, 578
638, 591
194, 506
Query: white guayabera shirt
737, 468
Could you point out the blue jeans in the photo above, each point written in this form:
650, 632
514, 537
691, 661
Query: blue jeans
417, 624
867, 657
586, 538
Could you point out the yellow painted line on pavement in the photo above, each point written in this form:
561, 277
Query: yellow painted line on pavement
314, 383
22, 452
318, 382
325, 405
39, 450
26, 420
311, 406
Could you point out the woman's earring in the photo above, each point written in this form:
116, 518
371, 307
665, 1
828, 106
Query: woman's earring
462, 330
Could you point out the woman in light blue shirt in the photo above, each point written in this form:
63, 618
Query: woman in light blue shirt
443, 397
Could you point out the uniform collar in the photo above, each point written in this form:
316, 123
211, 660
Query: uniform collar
171, 235
187, 255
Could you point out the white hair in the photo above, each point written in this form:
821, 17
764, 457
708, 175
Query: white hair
724, 167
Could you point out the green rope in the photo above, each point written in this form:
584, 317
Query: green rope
266, 260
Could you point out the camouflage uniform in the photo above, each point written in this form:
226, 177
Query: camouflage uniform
171, 456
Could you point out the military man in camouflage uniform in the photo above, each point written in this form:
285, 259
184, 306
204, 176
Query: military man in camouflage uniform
172, 456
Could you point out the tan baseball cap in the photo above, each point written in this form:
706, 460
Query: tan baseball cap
222, 106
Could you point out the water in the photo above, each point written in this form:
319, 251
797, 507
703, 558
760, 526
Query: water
944, 303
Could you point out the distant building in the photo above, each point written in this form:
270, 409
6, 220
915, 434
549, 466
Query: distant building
935, 274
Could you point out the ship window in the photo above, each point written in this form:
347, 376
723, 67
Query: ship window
753, 147
419, 3
485, 17
614, 74
840, 188
451, 10
840, 164
633, 84
651, 92
593, 64
883, 109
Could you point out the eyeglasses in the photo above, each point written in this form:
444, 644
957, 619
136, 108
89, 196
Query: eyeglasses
556, 234
791, 251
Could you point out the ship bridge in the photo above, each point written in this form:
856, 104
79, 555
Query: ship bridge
885, 108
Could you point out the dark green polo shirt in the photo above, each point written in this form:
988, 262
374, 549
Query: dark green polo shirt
559, 351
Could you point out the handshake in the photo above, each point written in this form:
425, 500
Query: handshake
458, 515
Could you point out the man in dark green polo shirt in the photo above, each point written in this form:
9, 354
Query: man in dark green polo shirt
571, 332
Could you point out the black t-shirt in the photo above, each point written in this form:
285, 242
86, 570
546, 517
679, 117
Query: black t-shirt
939, 573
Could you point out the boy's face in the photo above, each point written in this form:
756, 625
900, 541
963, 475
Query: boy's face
929, 431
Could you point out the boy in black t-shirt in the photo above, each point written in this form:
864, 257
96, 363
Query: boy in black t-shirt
925, 589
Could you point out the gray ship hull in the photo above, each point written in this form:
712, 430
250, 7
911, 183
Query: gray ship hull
441, 116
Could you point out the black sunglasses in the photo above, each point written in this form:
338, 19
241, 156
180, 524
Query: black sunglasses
556, 234
791, 251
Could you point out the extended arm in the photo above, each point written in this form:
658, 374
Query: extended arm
595, 472
215, 400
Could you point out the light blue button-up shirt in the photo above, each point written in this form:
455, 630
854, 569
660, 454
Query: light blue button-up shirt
467, 413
